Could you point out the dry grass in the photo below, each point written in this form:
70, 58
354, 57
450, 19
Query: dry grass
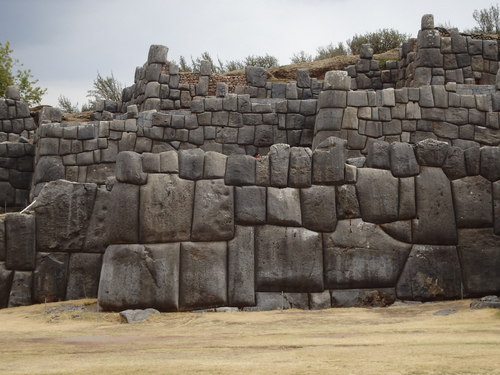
395, 340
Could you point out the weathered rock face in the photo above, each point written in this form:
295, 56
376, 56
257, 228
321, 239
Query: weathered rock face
360, 255
431, 273
288, 260
378, 195
83, 275
473, 202
5, 284
20, 242
166, 209
63, 211
479, 251
123, 219
151, 274
435, 222
203, 278
49, 278
214, 211
241, 268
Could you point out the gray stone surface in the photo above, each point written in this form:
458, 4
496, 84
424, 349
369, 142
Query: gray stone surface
378, 193
123, 219
266, 301
300, 167
279, 160
48, 168
20, 241
20, 292
256, 76
431, 273
213, 218
435, 222
250, 205
399, 230
136, 316
328, 162
191, 164
363, 297
490, 168
378, 155
214, 165
49, 278
288, 260
320, 301
403, 161
203, 276
129, 168
479, 251
83, 275
473, 202
240, 170
166, 209
241, 269
337, 80
318, 208
5, 284
431, 152
150, 272
283, 206
63, 211
354, 255
347, 202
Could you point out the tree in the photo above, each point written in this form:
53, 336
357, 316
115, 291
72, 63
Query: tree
11, 73
107, 88
488, 20
381, 40
65, 105
264, 61
301, 57
183, 65
330, 51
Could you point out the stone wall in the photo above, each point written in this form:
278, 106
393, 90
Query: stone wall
192, 229
16, 153
436, 57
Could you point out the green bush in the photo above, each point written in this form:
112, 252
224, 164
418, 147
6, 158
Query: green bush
381, 40
331, 51
30, 93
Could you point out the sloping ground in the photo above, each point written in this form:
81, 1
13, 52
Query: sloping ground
68, 338
317, 69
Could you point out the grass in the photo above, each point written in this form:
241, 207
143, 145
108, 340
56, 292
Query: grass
60, 339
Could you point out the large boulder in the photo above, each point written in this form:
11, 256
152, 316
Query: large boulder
149, 273
318, 208
361, 255
378, 193
21, 291
166, 209
50, 276
473, 202
283, 206
479, 251
241, 270
431, 273
435, 222
20, 241
203, 277
213, 218
63, 211
83, 276
123, 219
288, 260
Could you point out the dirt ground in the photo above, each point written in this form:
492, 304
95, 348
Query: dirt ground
71, 338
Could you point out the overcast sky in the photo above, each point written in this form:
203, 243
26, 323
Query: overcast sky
66, 42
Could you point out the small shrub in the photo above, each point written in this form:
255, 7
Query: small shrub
381, 40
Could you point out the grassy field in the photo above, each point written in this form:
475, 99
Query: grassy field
60, 339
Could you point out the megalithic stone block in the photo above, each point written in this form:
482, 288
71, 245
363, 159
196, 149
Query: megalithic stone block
21, 291
83, 275
5, 284
288, 260
431, 273
203, 275
479, 251
163, 195
318, 208
129, 168
362, 255
473, 202
20, 242
241, 268
123, 218
213, 217
50, 277
150, 274
435, 221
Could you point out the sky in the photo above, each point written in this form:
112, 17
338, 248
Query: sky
66, 43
